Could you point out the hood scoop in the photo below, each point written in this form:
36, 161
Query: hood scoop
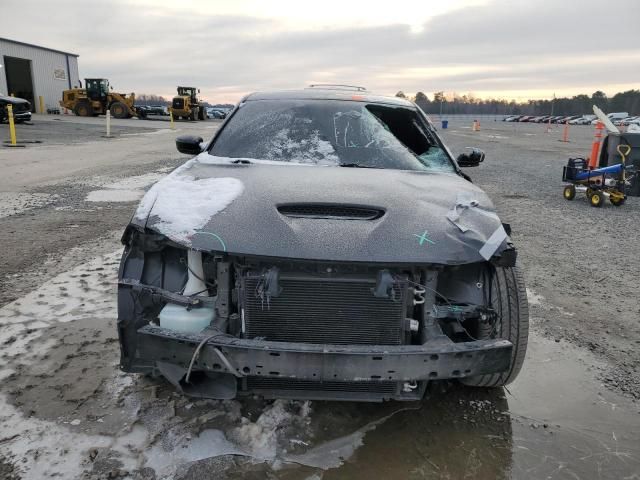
330, 211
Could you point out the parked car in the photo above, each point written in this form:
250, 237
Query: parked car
216, 113
158, 110
525, 118
584, 120
321, 245
21, 109
561, 120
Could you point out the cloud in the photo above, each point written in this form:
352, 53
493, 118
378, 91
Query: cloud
499, 48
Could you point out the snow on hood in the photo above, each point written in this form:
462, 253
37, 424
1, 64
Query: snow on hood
183, 203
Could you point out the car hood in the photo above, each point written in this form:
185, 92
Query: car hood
13, 100
211, 204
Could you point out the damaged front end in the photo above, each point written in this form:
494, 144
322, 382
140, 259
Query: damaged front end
304, 329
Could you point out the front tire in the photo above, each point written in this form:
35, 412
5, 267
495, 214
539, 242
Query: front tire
119, 110
83, 109
509, 300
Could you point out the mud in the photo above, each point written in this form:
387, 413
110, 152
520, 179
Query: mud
67, 412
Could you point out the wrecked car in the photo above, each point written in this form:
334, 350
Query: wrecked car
21, 109
324, 244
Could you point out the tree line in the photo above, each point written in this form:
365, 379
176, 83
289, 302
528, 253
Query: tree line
628, 101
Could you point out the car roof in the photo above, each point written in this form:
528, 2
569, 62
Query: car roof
315, 93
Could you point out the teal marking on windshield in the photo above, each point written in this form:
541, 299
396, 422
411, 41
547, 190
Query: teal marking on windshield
224, 247
424, 238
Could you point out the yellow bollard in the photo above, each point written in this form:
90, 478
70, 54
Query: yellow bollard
171, 119
42, 105
12, 125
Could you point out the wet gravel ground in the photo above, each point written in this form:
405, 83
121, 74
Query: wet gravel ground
580, 259
67, 412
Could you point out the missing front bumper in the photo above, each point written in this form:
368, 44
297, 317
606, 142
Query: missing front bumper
257, 362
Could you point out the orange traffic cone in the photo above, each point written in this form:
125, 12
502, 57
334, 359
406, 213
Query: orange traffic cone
595, 146
565, 132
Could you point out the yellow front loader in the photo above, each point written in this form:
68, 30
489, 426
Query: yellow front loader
96, 98
187, 105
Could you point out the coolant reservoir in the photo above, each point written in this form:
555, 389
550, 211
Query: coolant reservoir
176, 317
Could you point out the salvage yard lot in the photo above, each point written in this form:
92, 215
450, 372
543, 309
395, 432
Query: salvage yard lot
66, 409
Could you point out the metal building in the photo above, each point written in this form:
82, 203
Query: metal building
30, 71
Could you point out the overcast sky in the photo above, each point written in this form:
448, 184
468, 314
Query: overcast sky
499, 48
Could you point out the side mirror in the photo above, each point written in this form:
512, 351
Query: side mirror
198, 90
471, 159
189, 144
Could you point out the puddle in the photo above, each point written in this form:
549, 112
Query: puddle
66, 410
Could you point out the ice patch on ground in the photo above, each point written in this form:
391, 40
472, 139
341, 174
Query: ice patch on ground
42, 449
210, 443
12, 203
260, 438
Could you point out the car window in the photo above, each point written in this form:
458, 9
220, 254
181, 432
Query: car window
331, 132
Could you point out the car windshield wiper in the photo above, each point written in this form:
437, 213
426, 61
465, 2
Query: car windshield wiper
356, 165
244, 161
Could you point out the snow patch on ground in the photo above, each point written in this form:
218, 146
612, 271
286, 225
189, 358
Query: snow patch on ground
135, 182
12, 203
533, 298
125, 190
86, 291
114, 195
260, 438
43, 449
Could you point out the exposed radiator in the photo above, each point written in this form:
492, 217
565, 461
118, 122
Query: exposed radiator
310, 309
